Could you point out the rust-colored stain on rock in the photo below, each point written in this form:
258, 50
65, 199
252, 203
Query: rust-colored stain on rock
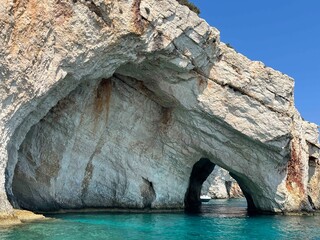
138, 22
166, 115
102, 99
294, 177
64, 11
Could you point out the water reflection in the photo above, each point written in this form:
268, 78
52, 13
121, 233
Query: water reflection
224, 208
221, 219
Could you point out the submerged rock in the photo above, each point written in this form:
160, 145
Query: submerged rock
18, 216
111, 103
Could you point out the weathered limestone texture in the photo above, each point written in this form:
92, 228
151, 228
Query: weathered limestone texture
220, 185
109, 103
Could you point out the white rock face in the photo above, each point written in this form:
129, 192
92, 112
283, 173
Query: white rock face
110, 103
220, 185
102, 146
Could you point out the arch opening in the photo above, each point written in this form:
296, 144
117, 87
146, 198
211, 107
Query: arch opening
51, 175
200, 171
88, 150
209, 180
251, 207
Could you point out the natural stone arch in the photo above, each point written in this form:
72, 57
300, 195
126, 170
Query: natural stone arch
172, 121
100, 94
200, 171
217, 94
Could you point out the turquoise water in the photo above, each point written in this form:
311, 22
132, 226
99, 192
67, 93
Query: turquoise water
222, 219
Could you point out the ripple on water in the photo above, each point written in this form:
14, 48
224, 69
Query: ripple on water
222, 219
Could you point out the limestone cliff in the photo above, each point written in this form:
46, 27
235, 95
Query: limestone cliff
220, 185
111, 103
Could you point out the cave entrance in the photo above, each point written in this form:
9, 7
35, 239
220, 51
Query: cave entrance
210, 180
200, 171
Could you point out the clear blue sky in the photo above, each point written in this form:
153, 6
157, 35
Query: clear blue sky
284, 34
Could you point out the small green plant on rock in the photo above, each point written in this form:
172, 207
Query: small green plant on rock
190, 5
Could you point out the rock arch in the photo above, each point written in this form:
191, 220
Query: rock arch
208, 100
200, 171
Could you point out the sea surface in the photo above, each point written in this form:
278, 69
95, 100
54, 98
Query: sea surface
220, 219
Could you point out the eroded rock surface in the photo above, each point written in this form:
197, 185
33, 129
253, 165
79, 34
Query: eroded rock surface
220, 185
111, 103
